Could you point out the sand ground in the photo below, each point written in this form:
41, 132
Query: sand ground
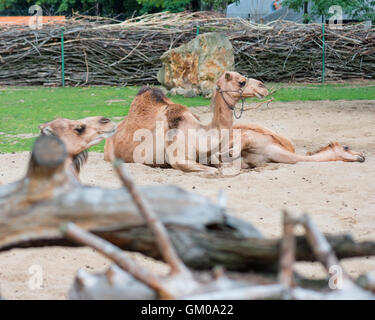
339, 196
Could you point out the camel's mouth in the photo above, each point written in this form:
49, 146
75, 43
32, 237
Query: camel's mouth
361, 158
108, 134
102, 135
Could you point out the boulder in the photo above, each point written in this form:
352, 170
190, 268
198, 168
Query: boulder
197, 64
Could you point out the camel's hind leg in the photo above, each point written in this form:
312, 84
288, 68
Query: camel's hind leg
109, 149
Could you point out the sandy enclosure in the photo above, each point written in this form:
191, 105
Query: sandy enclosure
339, 196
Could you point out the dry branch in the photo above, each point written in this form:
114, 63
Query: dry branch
204, 236
165, 247
32, 209
287, 252
207, 286
101, 51
185, 229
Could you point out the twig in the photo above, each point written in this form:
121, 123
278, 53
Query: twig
165, 246
73, 232
116, 53
319, 244
287, 254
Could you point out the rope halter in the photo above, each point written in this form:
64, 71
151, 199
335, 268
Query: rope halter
233, 107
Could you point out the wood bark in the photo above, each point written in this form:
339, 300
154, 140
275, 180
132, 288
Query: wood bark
204, 235
274, 52
186, 230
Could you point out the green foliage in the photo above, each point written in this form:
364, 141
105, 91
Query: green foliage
356, 9
181, 5
13, 6
218, 4
366, 11
123, 8
167, 5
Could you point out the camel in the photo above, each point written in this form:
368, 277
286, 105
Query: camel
260, 145
78, 136
151, 111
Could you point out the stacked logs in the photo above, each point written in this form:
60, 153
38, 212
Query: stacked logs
100, 51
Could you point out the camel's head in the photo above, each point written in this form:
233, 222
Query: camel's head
79, 135
236, 86
343, 153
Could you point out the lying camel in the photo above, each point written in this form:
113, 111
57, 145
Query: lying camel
151, 107
260, 145
78, 136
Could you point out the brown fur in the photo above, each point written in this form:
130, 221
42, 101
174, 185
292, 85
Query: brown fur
156, 94
79, 160
331, 145
257, 148
150, 106
175, 114
78, 135
278, 139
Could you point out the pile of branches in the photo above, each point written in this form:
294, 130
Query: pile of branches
101, 51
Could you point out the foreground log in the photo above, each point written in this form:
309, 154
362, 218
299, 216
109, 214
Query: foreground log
182, 283
185, 230
32, 209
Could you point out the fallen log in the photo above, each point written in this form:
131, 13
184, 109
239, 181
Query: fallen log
182, 283
186, 230
204, 235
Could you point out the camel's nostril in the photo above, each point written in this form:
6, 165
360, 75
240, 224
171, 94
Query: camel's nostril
361, 158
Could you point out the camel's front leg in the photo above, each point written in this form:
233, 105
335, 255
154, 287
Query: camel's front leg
192, 166
109, 149
181, 158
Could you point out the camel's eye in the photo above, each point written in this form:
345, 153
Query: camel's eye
80, 129
242, 84
346, 148
104, 120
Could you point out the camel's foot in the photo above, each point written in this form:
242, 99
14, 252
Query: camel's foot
209, 172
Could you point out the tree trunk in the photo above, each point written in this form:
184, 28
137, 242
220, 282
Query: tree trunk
306, 12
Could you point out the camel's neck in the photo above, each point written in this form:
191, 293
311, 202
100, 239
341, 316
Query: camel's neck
323, 156
223, 116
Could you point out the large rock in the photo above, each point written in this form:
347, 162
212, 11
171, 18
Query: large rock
197, 64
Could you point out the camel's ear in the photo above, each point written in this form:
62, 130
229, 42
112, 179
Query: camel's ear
228, 76
46, 130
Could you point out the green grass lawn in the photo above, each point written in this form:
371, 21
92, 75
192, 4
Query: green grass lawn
22, 109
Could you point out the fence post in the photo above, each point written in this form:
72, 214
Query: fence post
62, 59
324, 53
